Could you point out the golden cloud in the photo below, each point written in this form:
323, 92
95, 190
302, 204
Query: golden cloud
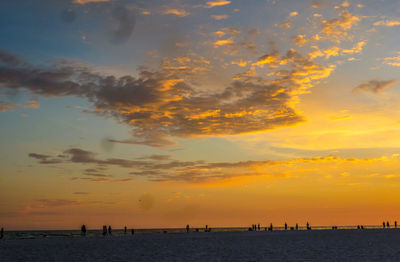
211, 4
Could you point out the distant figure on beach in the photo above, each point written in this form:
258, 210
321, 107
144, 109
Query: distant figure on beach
104, 230
1, 233
362, 227
125, 230
109, 230
383, 223
133, 231
297, 226
187, 228
259, 228
308, 226
395, 224
271, 227
83, 230
387, 224
285, 226
206, 228
358, 227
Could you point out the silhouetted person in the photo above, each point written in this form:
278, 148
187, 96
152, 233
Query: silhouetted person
297, 226
125, 229
271, 227
187, 228
259, 227
383, 223
387, 224
285, 226
104, 230
362, 227
1, 233
133, 231
206, 228
109, 230
308, 226
358, 227
395, 224
83, 230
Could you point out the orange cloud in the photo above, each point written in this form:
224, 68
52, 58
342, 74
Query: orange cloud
177, 12
336, 28
389, 23
220, 17
393, 61
211, 4
83, 2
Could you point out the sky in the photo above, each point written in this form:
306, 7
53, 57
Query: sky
158, 114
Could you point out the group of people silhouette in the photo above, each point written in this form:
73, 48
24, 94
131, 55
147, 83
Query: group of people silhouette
257, 227
106, 231
387, 225
206, 229
254, 227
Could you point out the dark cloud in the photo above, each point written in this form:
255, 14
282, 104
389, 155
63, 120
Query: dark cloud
161, 104
39, 156
45, 159
375, 86
174, 170
8, 58
156, 157
123, 24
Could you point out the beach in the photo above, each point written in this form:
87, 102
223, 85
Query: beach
315, 245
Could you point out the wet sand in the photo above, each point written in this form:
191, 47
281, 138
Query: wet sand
318, 245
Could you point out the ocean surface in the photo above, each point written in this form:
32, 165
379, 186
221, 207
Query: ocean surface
34, 234
219, 246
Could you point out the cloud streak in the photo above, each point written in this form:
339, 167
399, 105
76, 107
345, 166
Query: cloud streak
375, 86
162, 168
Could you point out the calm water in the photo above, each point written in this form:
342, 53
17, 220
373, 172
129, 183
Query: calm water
120, 232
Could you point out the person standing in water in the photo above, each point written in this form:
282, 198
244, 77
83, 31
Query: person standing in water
133, 231
125, 230
104, 230
109, 230
187, 228
83, 230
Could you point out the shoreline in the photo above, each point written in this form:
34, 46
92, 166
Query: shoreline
41, 234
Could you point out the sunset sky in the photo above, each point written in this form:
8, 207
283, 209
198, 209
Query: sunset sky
156, 113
